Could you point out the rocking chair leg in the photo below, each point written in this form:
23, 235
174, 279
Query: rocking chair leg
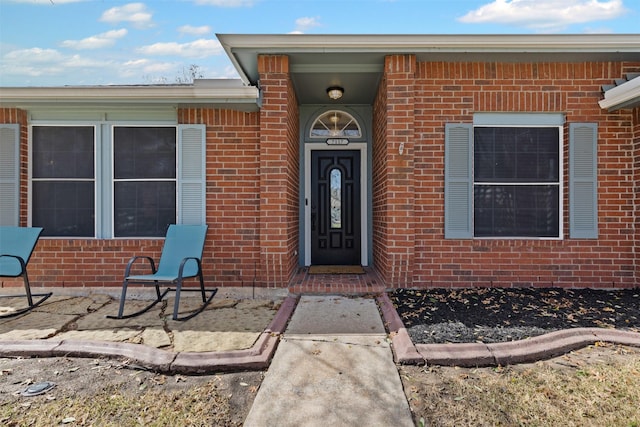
121, 314
27, 288
202, 290
41, 297
176, 304
122, 298
158, 294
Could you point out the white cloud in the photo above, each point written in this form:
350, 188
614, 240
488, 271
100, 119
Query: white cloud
36, 62
545, 15
306, 23
96, 42
194, 31
600, 30
34, 55
196, 49
134, 13
30, 65
145, 67
226, 3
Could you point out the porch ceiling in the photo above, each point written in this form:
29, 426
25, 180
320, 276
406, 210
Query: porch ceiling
355, 62
357, 74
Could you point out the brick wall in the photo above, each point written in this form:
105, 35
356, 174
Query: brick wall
393, 171
279, 172
636, 185
232, 253
379, 183
451, 93
293, 183
83, 262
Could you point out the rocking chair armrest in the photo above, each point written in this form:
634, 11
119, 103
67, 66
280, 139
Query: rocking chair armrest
23, 265
136, 258
184, 261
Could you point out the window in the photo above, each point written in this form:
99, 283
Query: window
504, 177
109, 180
516, 188
144, 165
333, 124
63, 185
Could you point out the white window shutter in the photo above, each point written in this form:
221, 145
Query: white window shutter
583, 181
9, 174
458, 181
192, 174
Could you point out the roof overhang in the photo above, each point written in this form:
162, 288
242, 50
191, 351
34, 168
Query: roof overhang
626, 95
232, 94
320, 61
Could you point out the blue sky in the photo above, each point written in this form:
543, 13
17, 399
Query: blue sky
95, 42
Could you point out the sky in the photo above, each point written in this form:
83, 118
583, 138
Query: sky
101, 42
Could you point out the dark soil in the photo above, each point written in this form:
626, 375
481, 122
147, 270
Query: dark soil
498, 314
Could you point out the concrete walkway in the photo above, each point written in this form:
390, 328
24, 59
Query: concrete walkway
333, 367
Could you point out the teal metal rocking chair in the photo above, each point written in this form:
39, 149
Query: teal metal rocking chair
16, 246
181, 259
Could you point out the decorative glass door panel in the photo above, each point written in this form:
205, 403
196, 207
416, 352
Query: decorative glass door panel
335, 207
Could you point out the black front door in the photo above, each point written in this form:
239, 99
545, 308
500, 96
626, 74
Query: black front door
335, 207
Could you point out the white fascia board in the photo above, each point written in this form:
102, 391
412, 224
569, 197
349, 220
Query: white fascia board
266, 43
621, 96
177, 94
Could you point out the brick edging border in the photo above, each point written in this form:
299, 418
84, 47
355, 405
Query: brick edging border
506, 353
255, 358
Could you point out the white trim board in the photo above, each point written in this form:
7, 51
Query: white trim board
364, 174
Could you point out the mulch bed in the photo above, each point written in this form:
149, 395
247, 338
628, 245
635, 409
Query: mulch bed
500, 314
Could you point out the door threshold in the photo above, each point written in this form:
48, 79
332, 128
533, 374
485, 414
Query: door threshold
336, 269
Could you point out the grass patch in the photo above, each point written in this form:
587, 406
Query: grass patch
200, 405
597, 393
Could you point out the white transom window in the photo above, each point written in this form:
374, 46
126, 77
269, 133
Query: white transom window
335, 124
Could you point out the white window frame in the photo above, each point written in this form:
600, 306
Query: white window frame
103, 170
113, 180
559, 183
96, 171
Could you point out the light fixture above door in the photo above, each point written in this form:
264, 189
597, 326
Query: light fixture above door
335, 92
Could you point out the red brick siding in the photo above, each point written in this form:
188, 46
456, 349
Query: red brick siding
636, 185
393, 172
293, 182
279, 172
451, 93
83, 262
232, 251
379, 183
